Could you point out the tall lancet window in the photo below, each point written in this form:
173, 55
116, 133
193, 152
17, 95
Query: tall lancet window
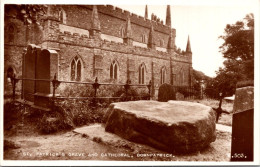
75, 74
62, 16
113, 70
161, 43
163, 75
183, 78
143, 38
122, 32
142, 74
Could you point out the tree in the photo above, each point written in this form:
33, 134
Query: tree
27, 13
199, 77
32, 17
238, 50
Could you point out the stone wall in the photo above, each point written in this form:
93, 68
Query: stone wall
113, 20
12, 59
181, 72
16, 35
67, 53
108, 55
14, 40
76, 15
97, 54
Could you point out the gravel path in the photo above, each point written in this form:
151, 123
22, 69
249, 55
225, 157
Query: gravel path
224, 128
93, 143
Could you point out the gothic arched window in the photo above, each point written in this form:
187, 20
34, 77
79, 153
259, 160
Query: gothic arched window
179, 79
113, 70
142, 74
174, 79
75, 72
183, 78
122, 32
161, 43
143, 38
163, 75
62, 16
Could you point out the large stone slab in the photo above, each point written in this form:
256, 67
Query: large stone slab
174, 126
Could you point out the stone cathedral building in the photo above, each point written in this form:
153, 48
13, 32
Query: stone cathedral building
101, 41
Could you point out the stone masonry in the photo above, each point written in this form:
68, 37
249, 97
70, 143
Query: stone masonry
99, 36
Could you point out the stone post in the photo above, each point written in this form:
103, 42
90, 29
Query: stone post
95, 31
242, 145
151, 42
128, 32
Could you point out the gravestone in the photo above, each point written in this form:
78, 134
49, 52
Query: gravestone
39, 65
46, 68
243, 125
29, 72
166, 93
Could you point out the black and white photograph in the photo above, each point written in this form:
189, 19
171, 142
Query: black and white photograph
107, 82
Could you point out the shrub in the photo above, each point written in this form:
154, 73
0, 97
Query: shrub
77, 90
81, 112
12, 113
53, 121
186, 91
65, 116
69, 113
10, 145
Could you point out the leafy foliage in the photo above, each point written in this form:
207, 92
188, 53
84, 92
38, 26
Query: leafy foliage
239, 40
108, 91
79, 112
70, 113
189, 92
238, 50
198, 78
27, 13
65, 116
58, 120
12, 112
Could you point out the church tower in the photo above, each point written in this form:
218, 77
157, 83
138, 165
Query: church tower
168, 16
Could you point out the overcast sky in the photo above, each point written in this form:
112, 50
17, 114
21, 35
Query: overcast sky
204, 24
